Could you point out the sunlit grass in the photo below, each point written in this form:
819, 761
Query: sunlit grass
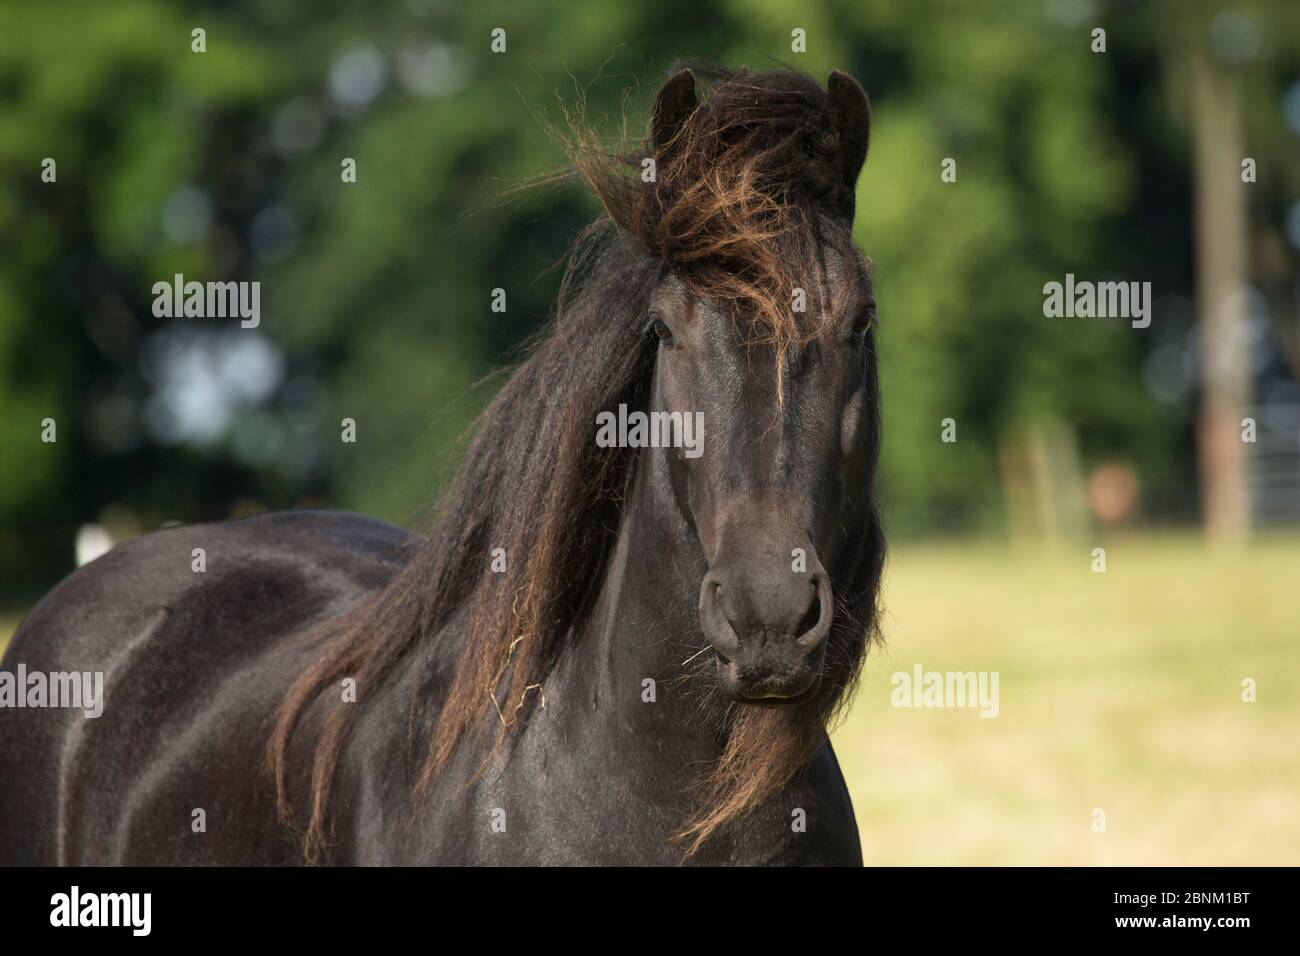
1119, 691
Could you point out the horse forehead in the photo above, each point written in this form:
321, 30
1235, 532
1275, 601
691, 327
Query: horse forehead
837, 268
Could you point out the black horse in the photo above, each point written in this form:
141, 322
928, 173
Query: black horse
604, 653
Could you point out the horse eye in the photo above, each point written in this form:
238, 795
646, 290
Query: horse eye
862, 324
661, 330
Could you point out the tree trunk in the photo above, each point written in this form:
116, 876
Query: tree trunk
1220, 284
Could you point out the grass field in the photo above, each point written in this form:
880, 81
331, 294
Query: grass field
1118, 691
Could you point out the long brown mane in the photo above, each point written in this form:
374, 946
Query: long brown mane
737, 202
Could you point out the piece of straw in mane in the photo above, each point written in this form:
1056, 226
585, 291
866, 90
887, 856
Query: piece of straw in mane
735, 207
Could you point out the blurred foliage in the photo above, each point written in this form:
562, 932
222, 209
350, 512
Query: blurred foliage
226, 165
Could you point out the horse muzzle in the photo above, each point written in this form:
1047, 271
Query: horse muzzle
769, 630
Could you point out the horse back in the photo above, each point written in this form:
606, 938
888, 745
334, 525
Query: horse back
190, 634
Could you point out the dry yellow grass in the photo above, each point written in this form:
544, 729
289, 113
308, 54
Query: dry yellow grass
1120, 691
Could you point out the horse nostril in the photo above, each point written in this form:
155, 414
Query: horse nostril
762, 610
812, 616
714, 619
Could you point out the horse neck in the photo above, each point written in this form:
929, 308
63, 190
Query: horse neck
645, 623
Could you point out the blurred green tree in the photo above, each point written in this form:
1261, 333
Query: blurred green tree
376, 293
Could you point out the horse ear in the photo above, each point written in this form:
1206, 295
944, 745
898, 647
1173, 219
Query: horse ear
850, 117
673, 106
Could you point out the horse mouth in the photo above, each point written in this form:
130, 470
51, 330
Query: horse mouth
765, 691
773, 701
